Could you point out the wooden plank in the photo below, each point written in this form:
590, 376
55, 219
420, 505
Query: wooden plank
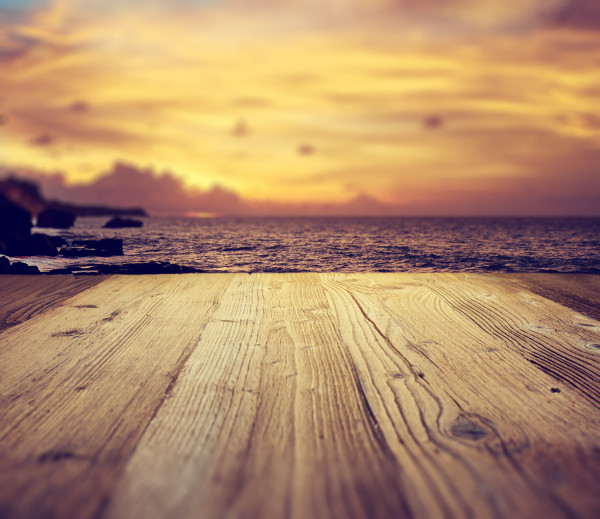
445, 364
23, 297
301, 395
80, 383
581, 292
558, 341
266, 420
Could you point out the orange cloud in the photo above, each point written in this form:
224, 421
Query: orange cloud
305, 102
165, 194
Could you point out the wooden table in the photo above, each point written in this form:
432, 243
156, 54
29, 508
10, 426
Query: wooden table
300, 395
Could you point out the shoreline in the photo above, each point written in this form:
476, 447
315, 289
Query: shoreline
318, 245
156, 267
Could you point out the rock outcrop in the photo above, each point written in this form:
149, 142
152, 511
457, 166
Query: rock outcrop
14, 220
151, 267
86, 248
58, 241
21, 199
16, 267
28, 245
121, 223
55, 219
15, 233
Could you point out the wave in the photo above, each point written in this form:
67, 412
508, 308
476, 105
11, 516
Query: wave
368, 244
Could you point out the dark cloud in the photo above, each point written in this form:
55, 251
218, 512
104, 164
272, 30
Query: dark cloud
433, 122
79, 106
59, 124
583, 14
560, 186
14, 45
306, 149
44, 139
544, 194
126, 185
584, 120
240, 129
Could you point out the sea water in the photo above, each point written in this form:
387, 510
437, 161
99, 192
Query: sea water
350, 244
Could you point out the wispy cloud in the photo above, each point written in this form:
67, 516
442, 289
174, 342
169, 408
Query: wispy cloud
305, 101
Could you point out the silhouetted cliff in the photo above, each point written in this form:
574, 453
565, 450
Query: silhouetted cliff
26, 194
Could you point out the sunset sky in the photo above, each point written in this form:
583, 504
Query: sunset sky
303, 107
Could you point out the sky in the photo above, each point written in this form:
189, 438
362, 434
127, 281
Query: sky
428, 107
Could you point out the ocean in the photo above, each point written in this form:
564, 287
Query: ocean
349, 244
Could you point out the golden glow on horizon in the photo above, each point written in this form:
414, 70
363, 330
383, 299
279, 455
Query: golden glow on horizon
285, 108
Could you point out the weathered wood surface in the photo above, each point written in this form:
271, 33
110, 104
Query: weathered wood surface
299, 395
22, 297
578, 291
80, 383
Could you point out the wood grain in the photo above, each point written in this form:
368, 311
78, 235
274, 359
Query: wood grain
23, 297
81, 382
275, 423
445, 362
581, 292
301, 396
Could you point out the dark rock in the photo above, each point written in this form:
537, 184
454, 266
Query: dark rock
152, 267
23, 193
120, 223
108, 246
39, 245
4, 265
17, 267
28, 245
102, 243
22, 268
86, 248
14, 220
78, 252
56, 219
58, 241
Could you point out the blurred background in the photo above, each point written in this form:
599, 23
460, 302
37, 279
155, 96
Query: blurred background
290, 107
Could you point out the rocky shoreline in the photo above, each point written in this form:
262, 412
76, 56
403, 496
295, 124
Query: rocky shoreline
142, 268
21, 204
